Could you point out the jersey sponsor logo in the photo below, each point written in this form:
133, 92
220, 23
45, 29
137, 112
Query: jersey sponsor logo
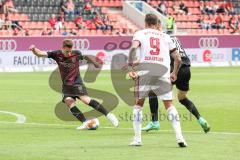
67, 65
208, 42
8, 45
81, 44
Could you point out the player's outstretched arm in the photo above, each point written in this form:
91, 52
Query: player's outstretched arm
177, 62
91, 59
37, 52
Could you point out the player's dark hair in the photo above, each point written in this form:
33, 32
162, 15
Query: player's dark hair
151, 19
68, 43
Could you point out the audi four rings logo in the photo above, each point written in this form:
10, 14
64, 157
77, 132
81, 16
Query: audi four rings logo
7, 45
81, 44
208, 42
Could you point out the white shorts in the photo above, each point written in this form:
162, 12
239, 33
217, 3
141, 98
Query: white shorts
161, 86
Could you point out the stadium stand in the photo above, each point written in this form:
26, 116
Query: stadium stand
52, 18
104, 17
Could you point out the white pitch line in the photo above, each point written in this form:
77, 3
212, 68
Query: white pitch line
20, 117
71, 125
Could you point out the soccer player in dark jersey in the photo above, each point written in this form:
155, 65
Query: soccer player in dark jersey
73, 87
182, 84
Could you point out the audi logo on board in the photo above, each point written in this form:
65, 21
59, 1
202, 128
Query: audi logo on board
81, 44
7, 45
208, 42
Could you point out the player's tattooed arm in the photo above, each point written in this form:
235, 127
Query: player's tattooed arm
132, 53
92, 59
37, 52
177, 62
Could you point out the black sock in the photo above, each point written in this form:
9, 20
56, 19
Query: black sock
191, 107
97, 106
78, 114
153, 101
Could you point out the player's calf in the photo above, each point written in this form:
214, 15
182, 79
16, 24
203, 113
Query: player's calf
71, 103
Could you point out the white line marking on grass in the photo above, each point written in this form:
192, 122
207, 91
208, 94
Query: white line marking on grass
71, 125
20, 117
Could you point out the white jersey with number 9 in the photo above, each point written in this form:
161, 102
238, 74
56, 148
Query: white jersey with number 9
155, 47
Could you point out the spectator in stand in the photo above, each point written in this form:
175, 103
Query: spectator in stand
124, 32
2, 21
15, 24
234, 24
15, 32
88, 8
202, 7
229, 8
107, 23
90, 25
26, 32
50, 31
219, 24
183, 7
215, 7
200, 20
9, 7
162, 8
79, 22
207, 22
222, 8
1, 6
73, 32
8, 23
209, 8
176, 9
60, 22
62, 6
52, 21
44, 32
68, 7
99, 22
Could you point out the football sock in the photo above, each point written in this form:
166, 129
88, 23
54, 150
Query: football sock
78, 114
175, 121
153, 101
191, 107
97, 106
137, 121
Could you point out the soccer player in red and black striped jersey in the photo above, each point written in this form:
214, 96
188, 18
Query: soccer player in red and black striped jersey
73, 87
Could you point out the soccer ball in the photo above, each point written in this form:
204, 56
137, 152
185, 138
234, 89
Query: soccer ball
92, 124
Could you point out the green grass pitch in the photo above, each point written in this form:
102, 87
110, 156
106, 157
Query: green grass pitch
215, 91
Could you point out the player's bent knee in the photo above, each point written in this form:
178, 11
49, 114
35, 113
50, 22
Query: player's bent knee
85, 99
70, 102
167, 103
182, 95
140, 102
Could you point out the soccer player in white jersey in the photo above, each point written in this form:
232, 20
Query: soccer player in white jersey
155, 49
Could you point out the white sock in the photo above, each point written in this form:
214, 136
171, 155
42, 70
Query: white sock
137, 122
175, 120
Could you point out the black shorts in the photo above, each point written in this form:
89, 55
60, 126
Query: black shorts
73, 91
183, 78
